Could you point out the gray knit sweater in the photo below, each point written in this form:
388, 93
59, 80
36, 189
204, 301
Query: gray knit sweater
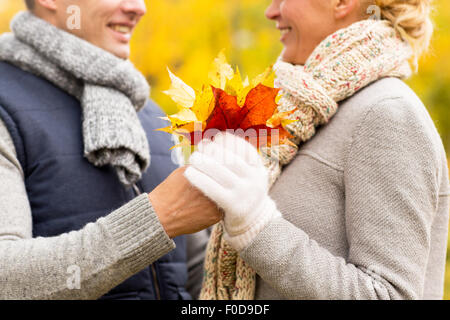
103, 254
365, 206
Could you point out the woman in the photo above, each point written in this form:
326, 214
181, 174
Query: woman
361, 210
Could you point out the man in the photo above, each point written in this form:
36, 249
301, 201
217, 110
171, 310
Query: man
78, 154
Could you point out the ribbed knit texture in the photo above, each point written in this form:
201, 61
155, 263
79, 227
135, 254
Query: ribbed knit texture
138, 235
342, 64
240, 241
106, 252
110, 90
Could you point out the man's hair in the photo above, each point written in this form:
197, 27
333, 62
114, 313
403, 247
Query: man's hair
30, 4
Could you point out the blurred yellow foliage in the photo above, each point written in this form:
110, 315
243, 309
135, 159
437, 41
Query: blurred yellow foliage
186, 35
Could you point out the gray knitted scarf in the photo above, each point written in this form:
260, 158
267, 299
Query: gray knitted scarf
110, 90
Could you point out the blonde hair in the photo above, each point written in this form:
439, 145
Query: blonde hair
412, 19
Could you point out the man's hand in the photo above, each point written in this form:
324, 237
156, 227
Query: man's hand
182, 208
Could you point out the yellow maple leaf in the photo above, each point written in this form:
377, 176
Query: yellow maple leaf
220, 71
166, 129
267, 78
236, 87
204, 103
180, 92
280, 119
182, 117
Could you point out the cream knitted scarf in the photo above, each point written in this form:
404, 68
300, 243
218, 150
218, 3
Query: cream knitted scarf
340, 65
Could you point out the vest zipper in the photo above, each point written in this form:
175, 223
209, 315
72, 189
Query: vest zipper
152, 266
155, 282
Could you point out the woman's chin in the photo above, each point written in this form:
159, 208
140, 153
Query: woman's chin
291, 56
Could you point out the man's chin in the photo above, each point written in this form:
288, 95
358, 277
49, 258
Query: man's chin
122, 52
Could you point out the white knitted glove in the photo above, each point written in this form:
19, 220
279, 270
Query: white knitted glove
231, 173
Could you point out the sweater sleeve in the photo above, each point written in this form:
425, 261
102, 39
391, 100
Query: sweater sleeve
391, 182
82, 264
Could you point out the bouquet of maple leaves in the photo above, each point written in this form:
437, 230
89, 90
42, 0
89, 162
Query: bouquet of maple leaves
228, 103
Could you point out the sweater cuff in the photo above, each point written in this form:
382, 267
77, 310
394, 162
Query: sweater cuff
138, 233
241, 241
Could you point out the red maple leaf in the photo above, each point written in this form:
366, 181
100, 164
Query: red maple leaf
251, 118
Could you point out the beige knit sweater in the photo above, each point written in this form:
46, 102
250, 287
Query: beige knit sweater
365, 206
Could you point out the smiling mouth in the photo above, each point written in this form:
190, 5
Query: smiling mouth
285, 31
121, 28
121, 31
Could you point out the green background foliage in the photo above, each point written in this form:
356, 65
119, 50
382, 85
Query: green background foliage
185, 35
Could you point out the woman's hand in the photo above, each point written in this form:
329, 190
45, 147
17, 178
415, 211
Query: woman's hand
230, 171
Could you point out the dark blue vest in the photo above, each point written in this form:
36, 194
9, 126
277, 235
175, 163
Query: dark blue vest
66, 191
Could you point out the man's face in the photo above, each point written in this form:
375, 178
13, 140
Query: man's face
108, 24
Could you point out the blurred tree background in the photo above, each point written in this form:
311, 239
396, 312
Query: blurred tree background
185, 35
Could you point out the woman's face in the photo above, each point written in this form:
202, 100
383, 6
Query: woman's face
304, 24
